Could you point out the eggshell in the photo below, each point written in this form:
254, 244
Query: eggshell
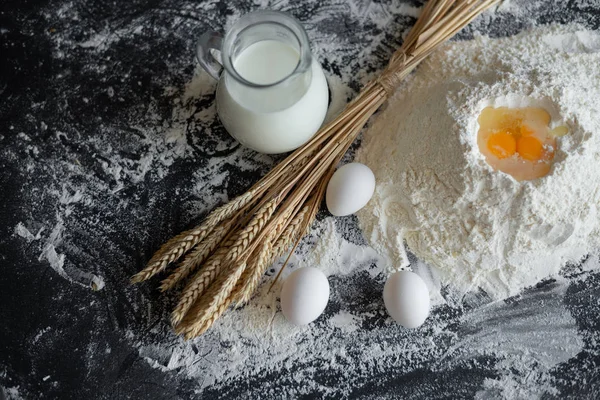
304, 295
406, 299
350, 189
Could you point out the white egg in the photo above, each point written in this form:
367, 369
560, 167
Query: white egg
406, 299
304, 295
350, 189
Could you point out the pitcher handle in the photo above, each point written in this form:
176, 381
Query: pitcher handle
210, 41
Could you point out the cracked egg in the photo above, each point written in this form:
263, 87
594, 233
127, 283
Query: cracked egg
518, 141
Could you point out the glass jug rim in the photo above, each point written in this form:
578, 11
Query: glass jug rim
262, 17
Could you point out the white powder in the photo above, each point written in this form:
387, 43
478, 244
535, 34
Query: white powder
436, 193
253, 352
12, 393
56, 260
257, 341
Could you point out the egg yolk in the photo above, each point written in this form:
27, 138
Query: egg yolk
530, 148
502, 144
518, 141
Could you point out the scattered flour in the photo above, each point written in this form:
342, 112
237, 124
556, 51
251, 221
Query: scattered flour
255, 346
41, 333
12, 393
436, 193
57, 260
257, 340
333, 255
22, 231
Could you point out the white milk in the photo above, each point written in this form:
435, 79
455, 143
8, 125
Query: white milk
266, 62
268, 128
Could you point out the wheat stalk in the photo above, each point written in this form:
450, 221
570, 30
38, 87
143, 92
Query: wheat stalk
245, 237
229, 253
204, 309
198, 285
291, 232
196, 257
253, 273
246, 284
239, 240
273, 248
176, 247
204, 315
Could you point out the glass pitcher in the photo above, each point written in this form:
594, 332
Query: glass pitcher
272, 94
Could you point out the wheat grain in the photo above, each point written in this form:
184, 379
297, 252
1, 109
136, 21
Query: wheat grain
173, 249
202, 326
247, 234
229, 253
198, 285
261, 259
196, 257
253, 273
204, 308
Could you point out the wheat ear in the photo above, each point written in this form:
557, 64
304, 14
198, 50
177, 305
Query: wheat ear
254, 271
228, 254
176, 247
205, 315
203, 311
245, 237
196, 257
199, 283
253, 274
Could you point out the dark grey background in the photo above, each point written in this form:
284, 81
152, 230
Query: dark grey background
44, 78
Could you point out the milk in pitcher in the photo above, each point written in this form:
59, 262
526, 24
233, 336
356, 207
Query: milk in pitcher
272, 95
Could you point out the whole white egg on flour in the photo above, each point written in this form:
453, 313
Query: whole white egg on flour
406, 299
304, 295
349, 189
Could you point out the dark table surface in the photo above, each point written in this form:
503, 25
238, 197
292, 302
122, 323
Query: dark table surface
100, 151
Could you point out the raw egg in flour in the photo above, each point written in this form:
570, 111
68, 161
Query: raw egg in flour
518, 141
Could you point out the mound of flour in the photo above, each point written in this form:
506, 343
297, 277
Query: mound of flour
435, 192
